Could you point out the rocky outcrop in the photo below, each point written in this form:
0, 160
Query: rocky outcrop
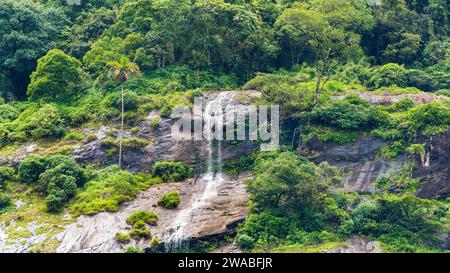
357, 160
433, 169
162, 146
219, 215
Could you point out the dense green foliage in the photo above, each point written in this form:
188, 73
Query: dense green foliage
56, 77
170, 200
57, 177
407, 223
171, 171
108, 190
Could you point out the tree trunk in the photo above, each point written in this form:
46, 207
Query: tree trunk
320, 74
121, 130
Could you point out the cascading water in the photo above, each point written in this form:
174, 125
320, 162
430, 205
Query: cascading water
213, 112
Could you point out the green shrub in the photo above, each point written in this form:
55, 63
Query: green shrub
130, 101
443, 92
122, 238
133, 249
348, 116
170, 200
55, 200
155, 123
142, 216
267, 227
404, 104
388, 75
74, 136
404, 222
43, 122
171, 171
6, 174
432, 118
154, 242
7, 113
5, 200
245, 242
108, 190
30, 169
127, 143
138, 234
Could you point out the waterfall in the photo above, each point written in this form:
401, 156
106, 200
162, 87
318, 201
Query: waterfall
211, 180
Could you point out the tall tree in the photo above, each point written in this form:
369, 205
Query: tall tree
28, 31
57, 77
308, 32
122, 70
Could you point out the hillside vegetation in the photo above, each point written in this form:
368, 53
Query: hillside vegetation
66, 68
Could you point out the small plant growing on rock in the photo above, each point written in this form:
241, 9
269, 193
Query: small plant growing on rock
122, 238
245, 242
154, 242
142, 216
133, 249
170, 200
138, 234
171, 171
5, 200
74, 136
90, 137
155, 123
6, 173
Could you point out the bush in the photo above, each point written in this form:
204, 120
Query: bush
142, 216
130, 101
267, 227
5, 200
6, 173
55, 200
7, 113
400, 221
388, 75
245, 242
170, 200
30, 169
433, 117
155, 123
108, 190
43, 122
404, 104
171, 171
74, 136
122, 238
348, 116
154, 242
138, 234
133, 249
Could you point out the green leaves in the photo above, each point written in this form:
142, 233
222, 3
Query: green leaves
57, 77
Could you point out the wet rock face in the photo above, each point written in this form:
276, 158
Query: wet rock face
218, 216
434, 168
358, 160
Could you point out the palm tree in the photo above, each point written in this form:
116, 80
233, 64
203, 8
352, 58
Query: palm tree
122, 71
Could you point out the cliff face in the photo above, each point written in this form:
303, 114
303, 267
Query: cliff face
434, 168
362, 167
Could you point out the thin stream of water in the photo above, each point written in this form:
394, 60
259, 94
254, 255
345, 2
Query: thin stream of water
212, 112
